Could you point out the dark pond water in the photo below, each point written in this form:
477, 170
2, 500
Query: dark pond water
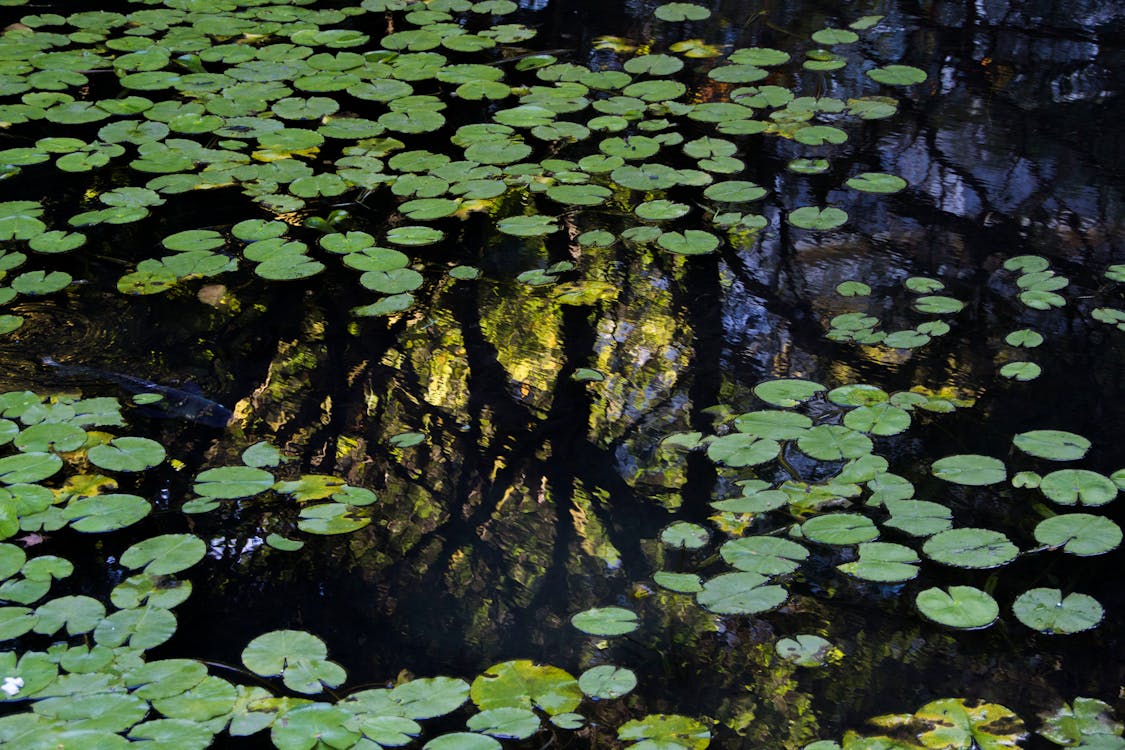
536, 496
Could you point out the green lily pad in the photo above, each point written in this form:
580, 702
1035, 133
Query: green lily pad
1022, 371
788, 392
35, 283
811, 217
766, 555
773, 425
669, 731
961, 607
883, 562
606, 621
523, 684
1047, 611
740, 594
606, 682
1071, 486
682, 583
897, 75
1085, 720
689, 242
840, 529
918, 517
970, 469
681, 12
127, 454
300, 659
804, 650
684, 535
876, 182
28, 468
834, 442
881, 419
971, 548
505, 723
1053, 445
229, 482
165, 554
101, 513
1079, 534
742, 449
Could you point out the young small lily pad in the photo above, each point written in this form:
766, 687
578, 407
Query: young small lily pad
804, 650
811, 217
684, 535
606, 682
897, 75
787, 392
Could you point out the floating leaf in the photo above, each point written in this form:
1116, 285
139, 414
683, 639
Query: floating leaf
834, 442
811, 217
665, 731
840, 529
684, 535
970, 469
1079, 534
1053, 445
971, 548
165, 554
787, 392
300, 659
522, 684
606, 682
606, 621
232, 482
1071, 486
958, 607
740, 594
127, 454
804, 650
1047, 611
766, 555
897, 75
883, 562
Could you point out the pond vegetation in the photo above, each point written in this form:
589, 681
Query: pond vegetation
474, 374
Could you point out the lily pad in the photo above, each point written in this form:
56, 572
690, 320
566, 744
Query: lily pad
804, 650
970, 469
1047, 611
740, 594
971, 548
606, 621
1053, 445
607, 682
962, 607
1071, 486
1079, 534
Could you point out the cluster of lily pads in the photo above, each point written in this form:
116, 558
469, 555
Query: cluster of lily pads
331, 130
81, 667
861, 500
957, 724
861, 328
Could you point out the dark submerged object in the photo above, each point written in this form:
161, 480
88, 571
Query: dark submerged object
175, 403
